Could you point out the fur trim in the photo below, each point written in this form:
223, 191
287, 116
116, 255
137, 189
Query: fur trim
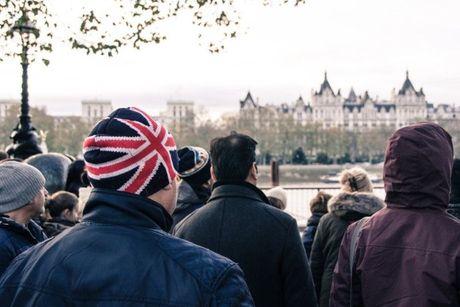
364, 203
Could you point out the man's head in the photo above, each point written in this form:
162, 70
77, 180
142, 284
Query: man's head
22, 188
455, 189
233, 158
418, 166
130, 152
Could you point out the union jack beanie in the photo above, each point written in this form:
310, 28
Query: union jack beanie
130, 152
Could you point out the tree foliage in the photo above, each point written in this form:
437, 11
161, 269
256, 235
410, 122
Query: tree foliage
104, 27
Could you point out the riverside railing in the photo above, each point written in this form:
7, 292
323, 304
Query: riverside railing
298, 198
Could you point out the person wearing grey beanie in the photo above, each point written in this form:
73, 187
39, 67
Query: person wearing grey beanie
22, 197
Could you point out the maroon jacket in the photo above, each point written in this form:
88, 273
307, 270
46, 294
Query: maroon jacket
408, 253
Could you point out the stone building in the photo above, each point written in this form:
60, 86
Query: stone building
6, 105
95, 110
332, 110
179, 115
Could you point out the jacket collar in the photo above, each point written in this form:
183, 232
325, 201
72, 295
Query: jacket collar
119, 208
31, 231
358, 202
243, 189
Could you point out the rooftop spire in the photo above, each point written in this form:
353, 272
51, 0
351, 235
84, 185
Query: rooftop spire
407, 74
325, 75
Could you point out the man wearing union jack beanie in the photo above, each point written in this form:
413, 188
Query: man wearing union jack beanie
121, 254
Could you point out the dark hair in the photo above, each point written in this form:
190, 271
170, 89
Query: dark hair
3, 155
60, 201
455, 188
233, 156
74, 177
275, 202
318, 204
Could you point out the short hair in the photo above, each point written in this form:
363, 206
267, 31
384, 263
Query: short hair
60, 201
233, 156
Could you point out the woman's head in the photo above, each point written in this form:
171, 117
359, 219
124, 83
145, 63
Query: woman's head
355, 179
63, 205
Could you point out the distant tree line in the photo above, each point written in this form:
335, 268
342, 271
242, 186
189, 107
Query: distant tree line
280, 139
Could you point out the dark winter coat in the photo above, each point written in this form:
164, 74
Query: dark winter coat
310, 231
189, 200
120, 255
55, 226
239, 223
15, 239
408, 253
344, 209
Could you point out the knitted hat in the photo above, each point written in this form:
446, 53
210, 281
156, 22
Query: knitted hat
318, 204
130, 152
194, 165
278, 193
355, 179
19, 184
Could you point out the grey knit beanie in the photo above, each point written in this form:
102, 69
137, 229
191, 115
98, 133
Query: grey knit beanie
19, 184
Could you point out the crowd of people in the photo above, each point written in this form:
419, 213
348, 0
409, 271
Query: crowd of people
186, 227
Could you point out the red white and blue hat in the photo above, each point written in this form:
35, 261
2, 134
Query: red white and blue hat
130, 152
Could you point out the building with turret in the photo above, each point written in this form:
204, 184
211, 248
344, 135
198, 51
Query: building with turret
352, 112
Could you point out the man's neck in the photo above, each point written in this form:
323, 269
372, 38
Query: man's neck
19, 217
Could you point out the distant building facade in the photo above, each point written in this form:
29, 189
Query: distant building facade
6, 105
95, 110
179, 115
332, 110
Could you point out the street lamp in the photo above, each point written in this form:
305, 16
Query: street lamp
24, 136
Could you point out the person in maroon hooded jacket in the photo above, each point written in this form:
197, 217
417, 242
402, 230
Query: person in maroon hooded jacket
407, 254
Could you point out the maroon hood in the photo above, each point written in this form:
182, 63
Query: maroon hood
418, 166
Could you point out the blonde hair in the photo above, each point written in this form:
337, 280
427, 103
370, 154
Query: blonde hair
355, 179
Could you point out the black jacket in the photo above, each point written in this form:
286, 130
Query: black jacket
55, 226
309, 233
189, 199
120, 255
344, 209
238, 223
15, 239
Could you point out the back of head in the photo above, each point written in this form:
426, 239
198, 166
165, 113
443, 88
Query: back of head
54, 167
194, 165
319, 203
418, 166
130, 152
60, 201
277, 197
455, 189
355, 179
232, 157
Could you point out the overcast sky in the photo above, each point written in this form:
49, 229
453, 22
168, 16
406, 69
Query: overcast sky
367, 44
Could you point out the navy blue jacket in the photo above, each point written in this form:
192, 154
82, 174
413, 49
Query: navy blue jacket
121, 255
309, 233
16, 238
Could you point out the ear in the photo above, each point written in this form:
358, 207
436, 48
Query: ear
253, 172
66, 213
213, 176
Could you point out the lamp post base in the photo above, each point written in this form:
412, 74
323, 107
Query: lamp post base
25, 144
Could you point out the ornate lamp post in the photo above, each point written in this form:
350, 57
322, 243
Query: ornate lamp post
24, 136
